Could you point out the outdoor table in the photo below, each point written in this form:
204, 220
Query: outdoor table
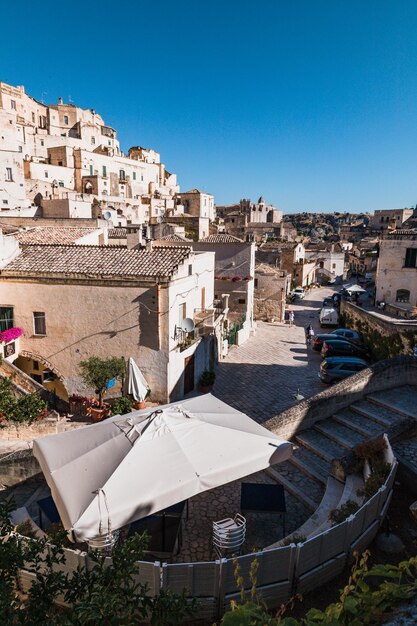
263, 498
48, 509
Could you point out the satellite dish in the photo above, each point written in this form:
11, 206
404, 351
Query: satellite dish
187, 325
107, 215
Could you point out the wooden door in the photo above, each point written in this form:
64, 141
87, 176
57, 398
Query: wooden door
188, 374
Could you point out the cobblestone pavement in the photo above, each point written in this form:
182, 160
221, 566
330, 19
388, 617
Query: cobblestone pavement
261, 376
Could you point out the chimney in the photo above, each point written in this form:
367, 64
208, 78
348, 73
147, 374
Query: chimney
134, 238
60, 101
149, 245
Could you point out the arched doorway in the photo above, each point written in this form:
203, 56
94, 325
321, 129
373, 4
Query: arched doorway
39, 368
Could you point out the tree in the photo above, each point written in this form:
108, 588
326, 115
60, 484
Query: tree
105, 593
97, 372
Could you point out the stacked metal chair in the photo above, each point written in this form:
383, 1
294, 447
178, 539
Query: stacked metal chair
229, 535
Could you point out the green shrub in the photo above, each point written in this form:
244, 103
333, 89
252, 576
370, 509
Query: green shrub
207, 378
337, 516
121, 406
375, 480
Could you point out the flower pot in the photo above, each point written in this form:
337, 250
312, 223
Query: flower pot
139, 405
97, 415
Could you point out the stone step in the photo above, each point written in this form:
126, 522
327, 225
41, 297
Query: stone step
342, 435
402, 400
383, 416
320, 445
364, 426
311, 464
297, 490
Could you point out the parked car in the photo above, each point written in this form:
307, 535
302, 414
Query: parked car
347, 333
299, 293
341, 347
329, 316
340, 333
339, 367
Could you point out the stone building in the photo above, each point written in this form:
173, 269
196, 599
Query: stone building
62, 152
251, 221
271, 288
396, 276
198, 203
330, 261
73, 302
389, 219
233, 281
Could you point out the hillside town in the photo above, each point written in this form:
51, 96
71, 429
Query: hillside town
132, 310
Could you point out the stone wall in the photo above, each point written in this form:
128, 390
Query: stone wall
382, 375
386, 338
29, 432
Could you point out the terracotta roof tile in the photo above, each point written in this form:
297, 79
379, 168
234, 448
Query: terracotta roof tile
221, 238
41, 235
98, 261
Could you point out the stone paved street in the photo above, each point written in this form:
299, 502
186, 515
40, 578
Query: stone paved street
261, 376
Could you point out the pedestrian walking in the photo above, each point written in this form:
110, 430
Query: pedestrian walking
291, 318
308, 337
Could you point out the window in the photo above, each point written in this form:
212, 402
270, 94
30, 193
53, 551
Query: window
242, 301
13, 105
91, 170
6, 317
403, 295
42, 142
20, 149
5, 202
60, 163
190, 270
182, 312
410, 257
39, 323
42, 121
60, 183
46, 174
333, 266
33, 118
109, 142
35, 365
122, 175
141, 177
9, 174
104, 171
93, 140
256, 283
134, 175
66, 120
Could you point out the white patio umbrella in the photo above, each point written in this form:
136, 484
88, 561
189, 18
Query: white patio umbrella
137, 387
107, 475
355, 289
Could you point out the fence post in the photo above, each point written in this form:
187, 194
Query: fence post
219, 601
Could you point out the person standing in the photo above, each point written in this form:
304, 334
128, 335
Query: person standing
291, 318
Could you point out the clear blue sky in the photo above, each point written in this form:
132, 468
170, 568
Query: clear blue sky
311, 103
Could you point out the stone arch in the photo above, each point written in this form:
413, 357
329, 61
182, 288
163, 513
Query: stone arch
40, 369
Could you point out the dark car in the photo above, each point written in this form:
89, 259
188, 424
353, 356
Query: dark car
339, 367
327, 302
347, 333
340, 347
340, 333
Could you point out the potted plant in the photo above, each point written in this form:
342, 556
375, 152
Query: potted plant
141, 404
121, 406
207, 381
96, 373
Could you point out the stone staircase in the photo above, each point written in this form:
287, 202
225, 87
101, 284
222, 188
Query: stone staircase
305, 475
